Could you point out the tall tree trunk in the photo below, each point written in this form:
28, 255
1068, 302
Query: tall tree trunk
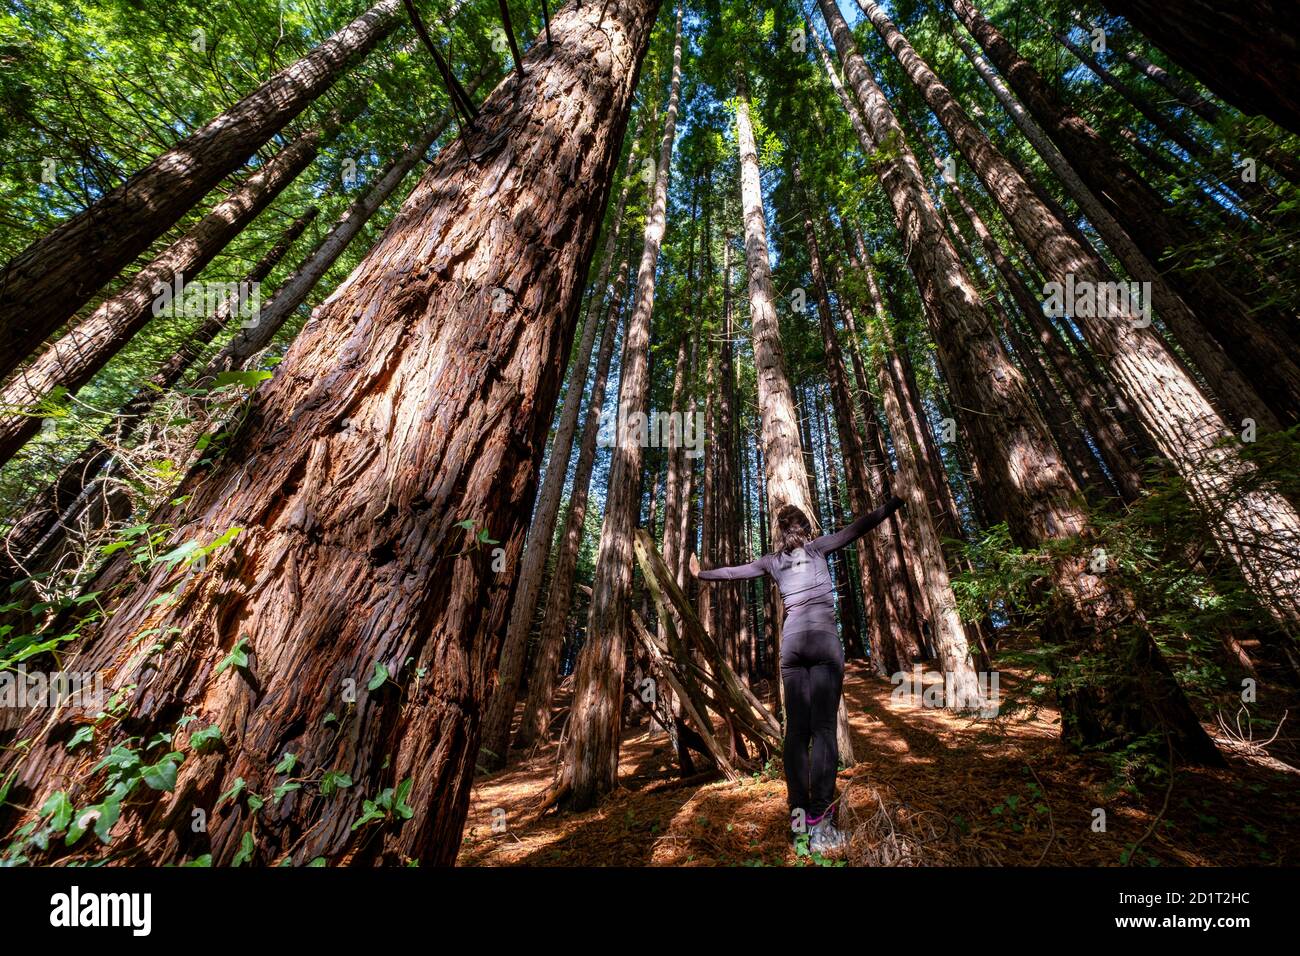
1020, 469
591, 757
514, 653
1259, 528
545, 672
787, 481
417, 402
51, 279
73, 360
946, 630
1247, 52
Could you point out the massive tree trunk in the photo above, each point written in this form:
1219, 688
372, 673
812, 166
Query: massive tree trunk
51, 279
38, 532
1148, 221
591, 757
365, 614
550, 641
1258, 528
73, 360
510, 670
1020, 470
1246, 52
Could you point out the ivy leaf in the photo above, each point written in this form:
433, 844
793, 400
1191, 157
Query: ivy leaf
162, 775
205, 739
287, 763
400, 806
60, 806
84, 735
245, 852
377, 679
369, 811
334, 780
238, 657
247, 379
232, 793
284, 789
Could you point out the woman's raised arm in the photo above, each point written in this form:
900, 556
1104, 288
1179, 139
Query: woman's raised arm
857, 528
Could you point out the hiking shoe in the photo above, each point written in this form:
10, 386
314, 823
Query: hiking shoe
827, 839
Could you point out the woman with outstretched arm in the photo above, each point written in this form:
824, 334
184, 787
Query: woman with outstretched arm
812, 659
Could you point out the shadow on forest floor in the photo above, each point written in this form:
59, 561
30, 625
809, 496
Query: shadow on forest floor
930, 788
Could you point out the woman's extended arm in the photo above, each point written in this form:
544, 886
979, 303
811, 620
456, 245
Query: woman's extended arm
857, 528
737, 572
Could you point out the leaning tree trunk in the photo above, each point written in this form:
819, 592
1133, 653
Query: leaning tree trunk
1148, 221
73, 360
1238, 395
37, 533
590, 766
363, 614
51, 279
1020, 470
510, 670
1246, 52
247, 341
1258, 528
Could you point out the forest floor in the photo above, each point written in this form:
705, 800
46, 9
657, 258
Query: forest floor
930, 788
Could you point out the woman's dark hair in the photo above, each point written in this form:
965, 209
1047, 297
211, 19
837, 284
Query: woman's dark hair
793, 529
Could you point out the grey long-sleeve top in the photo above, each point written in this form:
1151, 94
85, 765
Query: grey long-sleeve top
803, 576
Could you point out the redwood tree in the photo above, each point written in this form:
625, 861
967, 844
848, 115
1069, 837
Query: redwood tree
362, 602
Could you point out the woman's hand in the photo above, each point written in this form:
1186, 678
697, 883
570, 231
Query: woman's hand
694, 565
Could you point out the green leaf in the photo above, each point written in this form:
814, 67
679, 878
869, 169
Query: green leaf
205, 739
84, 735
287, 763
369, 811
238, 657
60, 806
245, 852
162, 775
377, 679
247, 379
333, 780
236, 789
283, 789
400, 806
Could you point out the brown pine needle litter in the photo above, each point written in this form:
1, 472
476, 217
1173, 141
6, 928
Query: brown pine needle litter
931, 788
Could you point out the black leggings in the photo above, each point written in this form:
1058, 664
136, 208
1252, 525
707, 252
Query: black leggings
812, 673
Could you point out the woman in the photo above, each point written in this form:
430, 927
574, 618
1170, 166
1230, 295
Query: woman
812, 660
